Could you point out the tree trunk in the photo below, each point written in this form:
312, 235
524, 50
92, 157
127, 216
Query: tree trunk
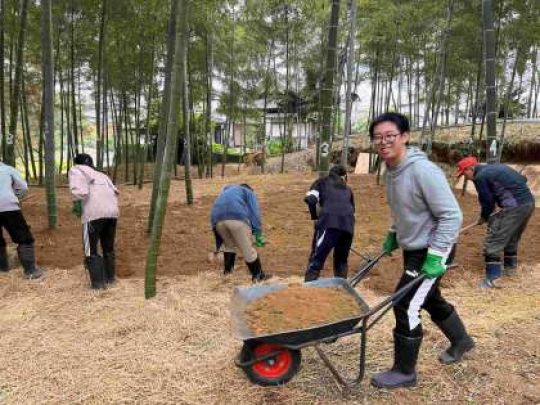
507, 103
99, 83
48, 109
491, 95
149, 99
174, 89
9, 151
328, 89
534, 73
230, 119
162, 131
348, 99
184, 37
2, 78
208, 120
72, 79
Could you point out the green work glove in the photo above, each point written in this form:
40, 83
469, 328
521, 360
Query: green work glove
77, 208
434, 266
260, 240
390, 243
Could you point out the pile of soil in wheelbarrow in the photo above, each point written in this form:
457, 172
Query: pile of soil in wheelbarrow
297, 307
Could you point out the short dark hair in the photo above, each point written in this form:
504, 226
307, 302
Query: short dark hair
401, 121
83, 159
338, 170
245, 185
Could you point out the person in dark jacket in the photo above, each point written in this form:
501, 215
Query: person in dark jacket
426, 219
12, 188
499, 185
235, 217
334, 228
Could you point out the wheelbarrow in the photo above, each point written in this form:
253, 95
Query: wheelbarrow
273, 359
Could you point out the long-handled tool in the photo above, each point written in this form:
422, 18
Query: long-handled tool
462, 230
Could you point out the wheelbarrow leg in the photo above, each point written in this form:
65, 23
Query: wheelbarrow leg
346, 385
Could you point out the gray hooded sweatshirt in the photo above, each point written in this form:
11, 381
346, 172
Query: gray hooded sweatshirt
424, 210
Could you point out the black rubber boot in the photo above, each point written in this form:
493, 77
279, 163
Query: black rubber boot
312, 273
109, 263
27, 258
228, 261
96, 270
256, 271
4, 264
460, 341
403, 373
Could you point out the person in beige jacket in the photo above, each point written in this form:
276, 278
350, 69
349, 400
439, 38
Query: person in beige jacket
95, 201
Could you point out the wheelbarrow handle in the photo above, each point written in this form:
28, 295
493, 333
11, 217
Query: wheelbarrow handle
365, 269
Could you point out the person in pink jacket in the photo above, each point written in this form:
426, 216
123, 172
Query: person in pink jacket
95, 200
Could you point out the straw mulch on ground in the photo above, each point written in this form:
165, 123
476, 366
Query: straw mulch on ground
61, 343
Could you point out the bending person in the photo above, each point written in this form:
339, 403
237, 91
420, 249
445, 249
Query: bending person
13, 187
235, 216
95, 201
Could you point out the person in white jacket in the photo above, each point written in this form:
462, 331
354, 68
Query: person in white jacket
13, 187
95, 200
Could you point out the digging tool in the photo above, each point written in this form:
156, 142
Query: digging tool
462, 230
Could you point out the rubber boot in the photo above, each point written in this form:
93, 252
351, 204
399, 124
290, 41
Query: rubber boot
256, 271
96, 271
312, 273
109, 264
27, 258
493, 272
510, 264
228, 261
460, 341
4, 264
403, 373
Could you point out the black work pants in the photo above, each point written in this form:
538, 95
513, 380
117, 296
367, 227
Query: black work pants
17, 228
426, 295
101, 230
324, 240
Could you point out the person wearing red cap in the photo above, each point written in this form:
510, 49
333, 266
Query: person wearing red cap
499, 185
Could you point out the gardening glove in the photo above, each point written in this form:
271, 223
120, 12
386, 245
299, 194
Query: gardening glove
77, 208
260, 240
390, 243
434, 266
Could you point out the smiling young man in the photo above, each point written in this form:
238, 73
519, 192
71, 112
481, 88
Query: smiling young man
426, 222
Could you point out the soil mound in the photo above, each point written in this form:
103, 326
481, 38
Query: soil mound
298, 307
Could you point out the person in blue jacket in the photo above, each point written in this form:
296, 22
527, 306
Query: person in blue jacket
334, 227
499, 185
235, 217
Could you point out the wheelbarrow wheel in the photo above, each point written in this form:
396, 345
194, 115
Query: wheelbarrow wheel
276, 370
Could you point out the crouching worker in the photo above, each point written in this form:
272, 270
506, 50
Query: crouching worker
499, 185
335, 224
12, 187
426, 222
234, 218
95, 201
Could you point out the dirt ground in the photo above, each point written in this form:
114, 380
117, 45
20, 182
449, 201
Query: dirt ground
187, 240
62, 343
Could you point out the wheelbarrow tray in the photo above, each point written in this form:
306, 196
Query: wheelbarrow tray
242, 297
